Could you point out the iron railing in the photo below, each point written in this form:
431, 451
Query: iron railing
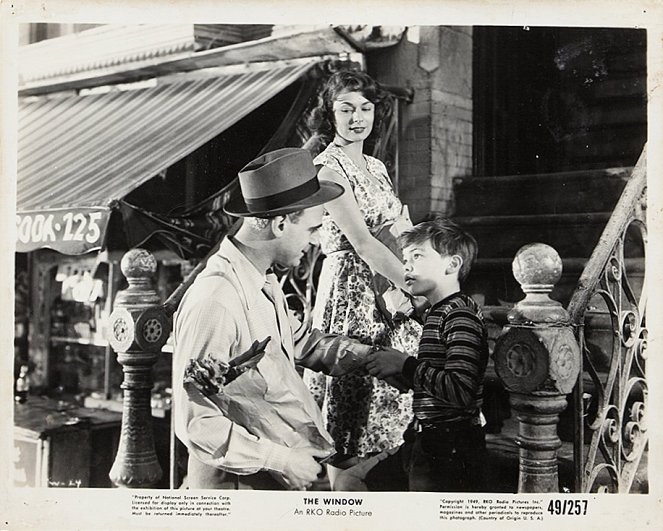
608, 311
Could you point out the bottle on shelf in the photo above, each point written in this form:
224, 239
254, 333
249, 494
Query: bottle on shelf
22, 385
58, 319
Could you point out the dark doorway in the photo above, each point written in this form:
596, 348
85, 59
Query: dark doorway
558, 99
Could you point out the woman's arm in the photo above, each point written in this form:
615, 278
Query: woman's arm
346, 214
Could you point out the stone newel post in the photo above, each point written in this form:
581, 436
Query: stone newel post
138, 328
538, 360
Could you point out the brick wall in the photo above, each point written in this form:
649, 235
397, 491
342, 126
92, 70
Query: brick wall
436, 128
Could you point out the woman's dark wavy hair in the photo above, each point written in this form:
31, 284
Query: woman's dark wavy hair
321, 120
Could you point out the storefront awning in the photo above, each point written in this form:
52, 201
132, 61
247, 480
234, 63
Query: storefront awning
79, 154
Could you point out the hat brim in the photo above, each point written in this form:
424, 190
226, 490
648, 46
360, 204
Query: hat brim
328, 191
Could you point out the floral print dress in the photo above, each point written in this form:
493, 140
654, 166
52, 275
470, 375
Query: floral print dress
363, 414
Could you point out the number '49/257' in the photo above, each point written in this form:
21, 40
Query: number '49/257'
568, 507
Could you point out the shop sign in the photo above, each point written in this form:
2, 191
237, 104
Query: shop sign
70, 230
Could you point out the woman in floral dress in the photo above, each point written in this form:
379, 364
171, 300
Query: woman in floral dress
363, 414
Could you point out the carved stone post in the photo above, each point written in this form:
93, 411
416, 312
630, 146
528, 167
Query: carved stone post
138, 328
538, 360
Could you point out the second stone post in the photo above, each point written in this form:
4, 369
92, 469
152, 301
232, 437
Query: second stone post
537, 358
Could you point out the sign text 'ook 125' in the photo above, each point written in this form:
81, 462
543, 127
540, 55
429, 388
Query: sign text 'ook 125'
82, 228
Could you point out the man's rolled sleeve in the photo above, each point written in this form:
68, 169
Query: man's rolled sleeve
331, 354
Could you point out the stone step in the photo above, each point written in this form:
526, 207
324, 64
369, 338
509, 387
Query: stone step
491, 280
553, 193
570, 234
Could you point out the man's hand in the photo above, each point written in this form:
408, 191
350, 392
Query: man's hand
302, 469
354, 478
385, 362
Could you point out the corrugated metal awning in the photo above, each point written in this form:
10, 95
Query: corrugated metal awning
78, 154
34, 62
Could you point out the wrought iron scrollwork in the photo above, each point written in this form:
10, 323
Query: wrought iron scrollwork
609, 310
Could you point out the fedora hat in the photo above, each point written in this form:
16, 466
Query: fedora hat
280, 182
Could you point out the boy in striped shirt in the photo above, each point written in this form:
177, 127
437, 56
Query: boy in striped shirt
445, 446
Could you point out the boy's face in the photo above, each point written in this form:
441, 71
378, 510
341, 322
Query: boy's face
426, 269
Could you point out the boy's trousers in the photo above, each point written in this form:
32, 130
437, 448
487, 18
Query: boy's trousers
434, 458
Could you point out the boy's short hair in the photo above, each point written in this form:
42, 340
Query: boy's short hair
447, 238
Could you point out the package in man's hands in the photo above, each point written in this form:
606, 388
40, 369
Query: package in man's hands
210, 375
262, 395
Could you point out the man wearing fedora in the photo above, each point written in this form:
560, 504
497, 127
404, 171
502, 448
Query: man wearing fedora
236, 300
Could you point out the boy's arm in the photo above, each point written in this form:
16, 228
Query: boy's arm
458, 379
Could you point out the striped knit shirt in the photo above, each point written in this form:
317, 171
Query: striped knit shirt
447, 375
